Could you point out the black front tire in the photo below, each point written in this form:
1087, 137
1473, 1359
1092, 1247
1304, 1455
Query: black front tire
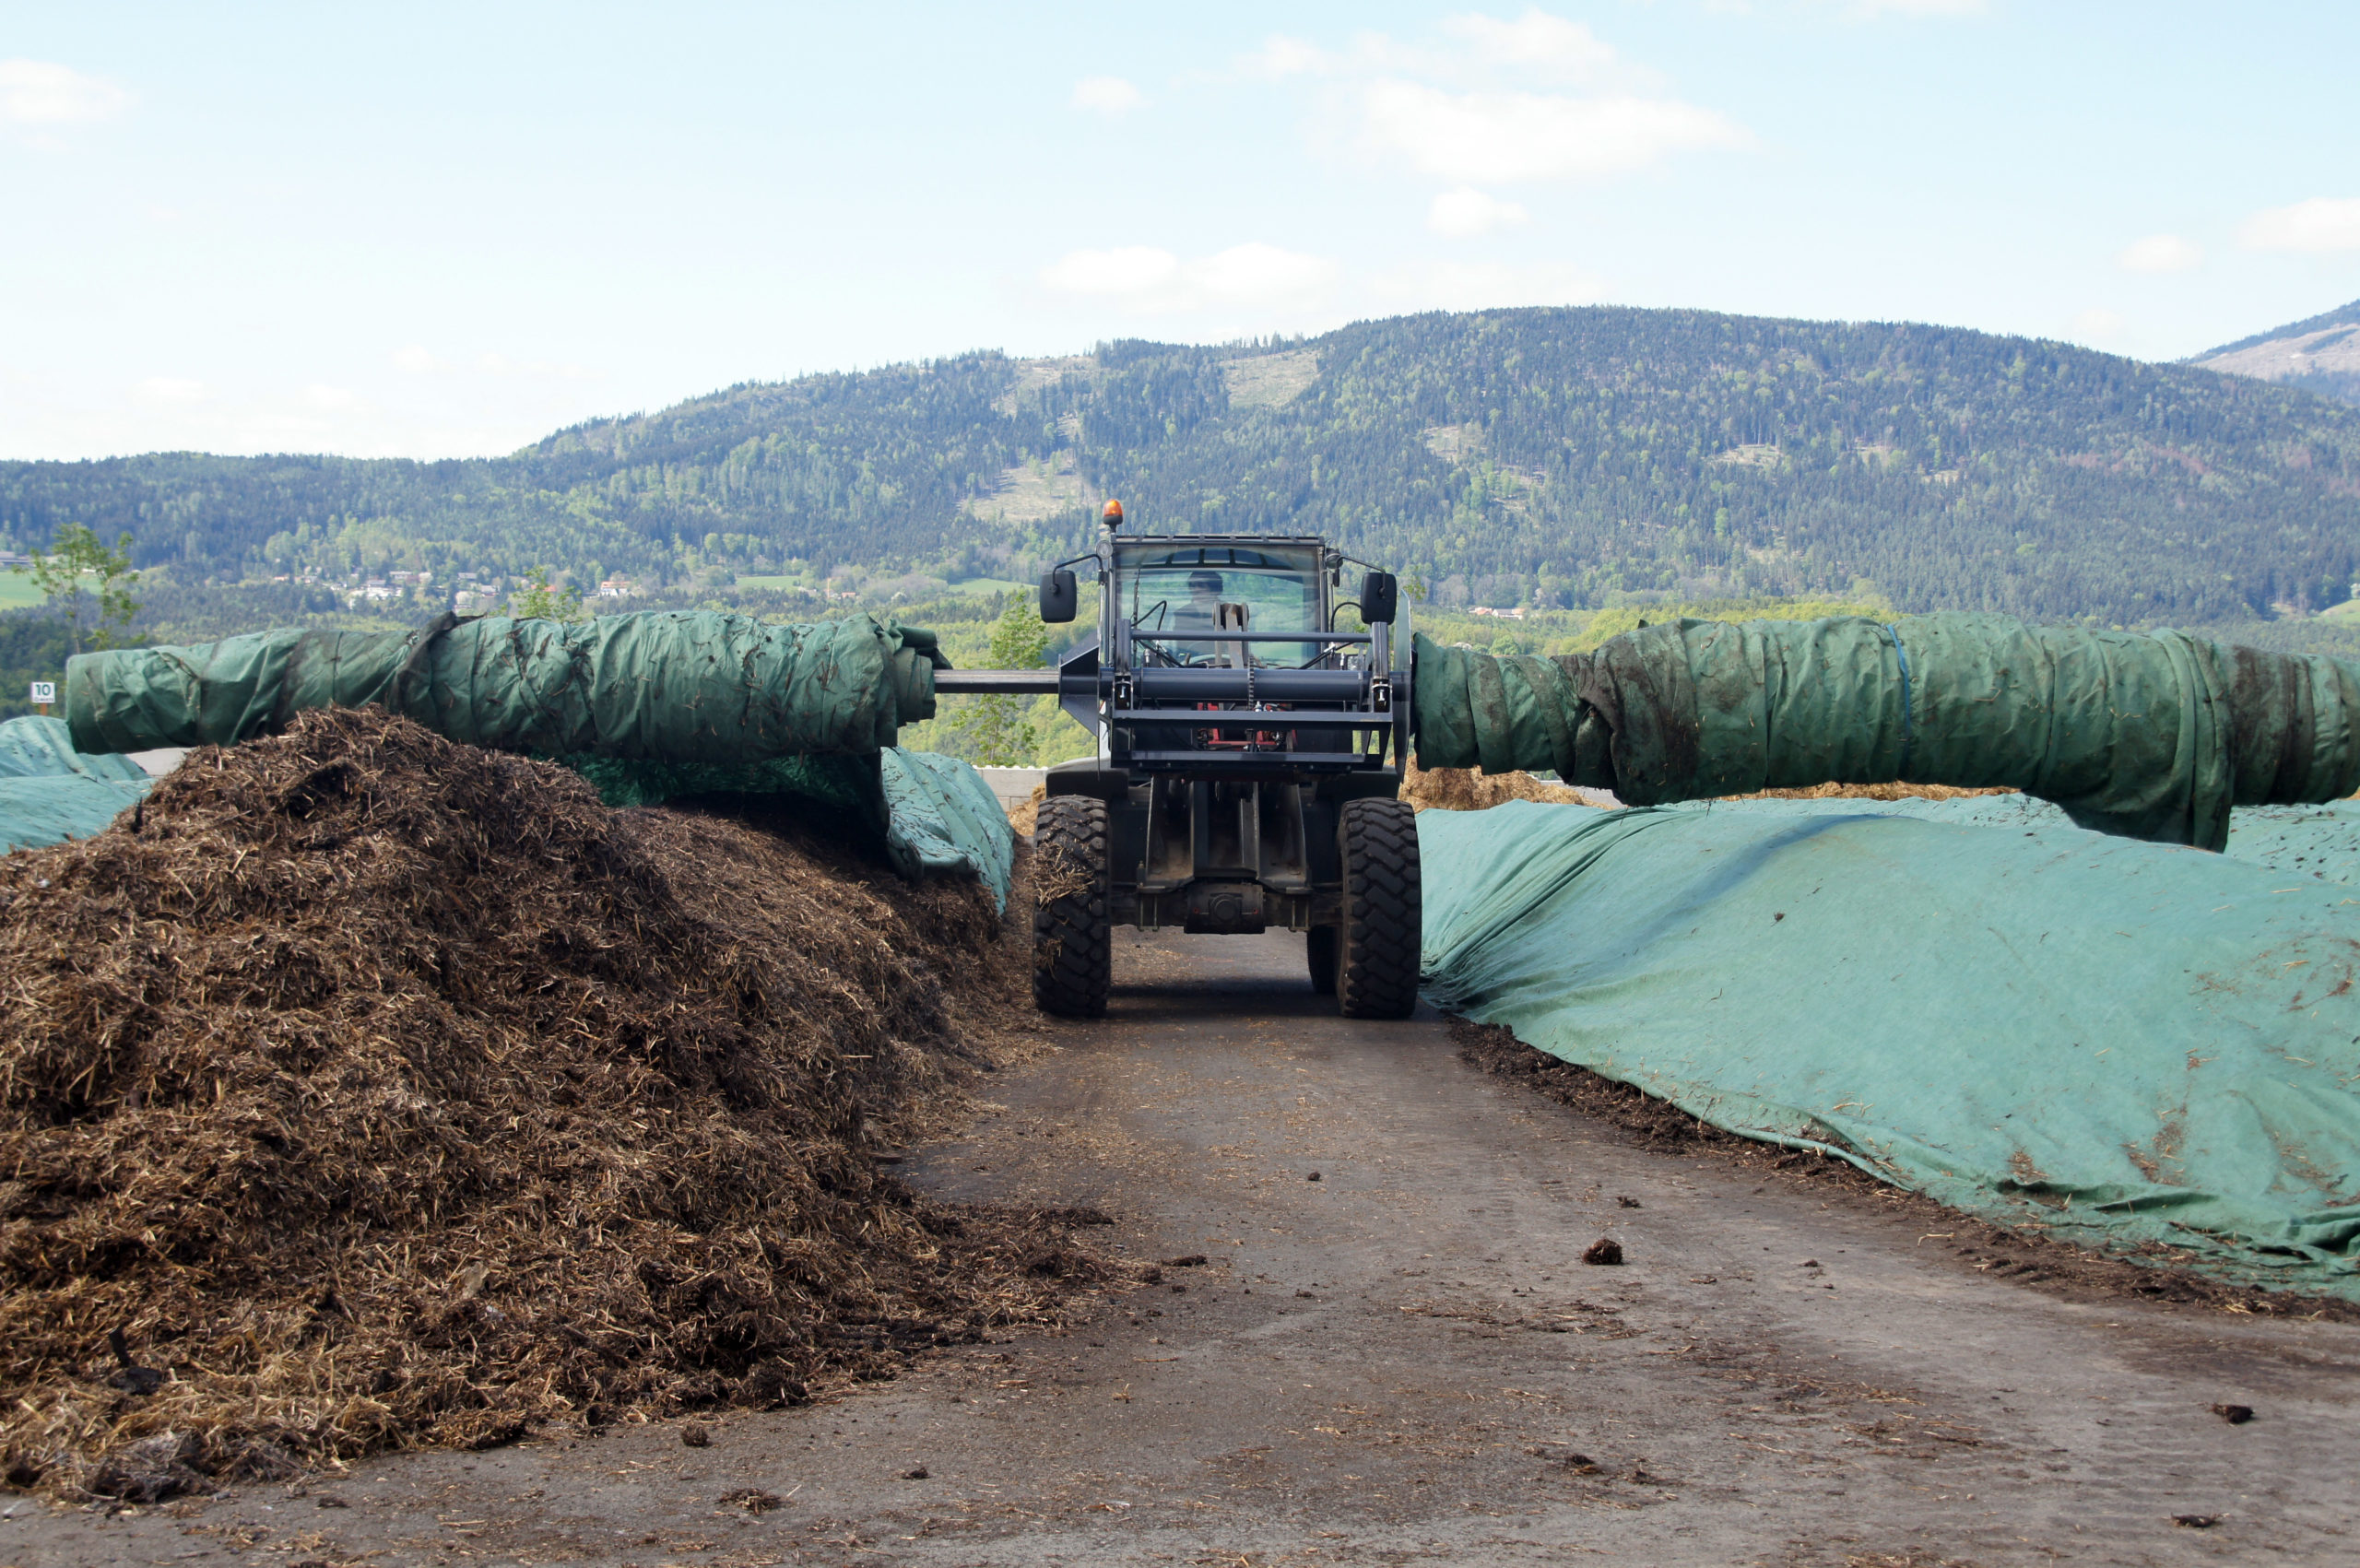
1319, 950
1377, 970
1072, 945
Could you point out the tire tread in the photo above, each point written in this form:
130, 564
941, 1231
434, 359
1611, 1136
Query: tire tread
1377, 975
1072, 943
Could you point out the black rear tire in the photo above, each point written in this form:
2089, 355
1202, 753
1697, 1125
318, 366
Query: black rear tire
1376, 970
1319, 950
1073, 946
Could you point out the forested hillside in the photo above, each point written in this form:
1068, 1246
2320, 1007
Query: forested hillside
1544, 457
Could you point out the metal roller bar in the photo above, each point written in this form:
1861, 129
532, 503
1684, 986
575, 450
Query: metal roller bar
1217, 636
1011, 682
1252, 718
1240, 760
1258, 685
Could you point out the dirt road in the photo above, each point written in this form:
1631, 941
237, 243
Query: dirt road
1392, 1352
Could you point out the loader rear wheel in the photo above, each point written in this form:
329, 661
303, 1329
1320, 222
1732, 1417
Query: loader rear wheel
1376, 966
1319, 948
1072, 947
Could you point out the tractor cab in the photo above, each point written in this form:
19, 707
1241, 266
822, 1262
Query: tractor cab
1177, 597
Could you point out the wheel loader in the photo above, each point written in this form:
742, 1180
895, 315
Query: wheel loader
1249, 763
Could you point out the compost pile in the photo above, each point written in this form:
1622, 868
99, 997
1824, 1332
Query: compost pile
365, 1090
1464, 789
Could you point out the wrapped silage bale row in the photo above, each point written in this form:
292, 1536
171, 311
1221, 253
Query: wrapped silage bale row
675, 686
2148, 735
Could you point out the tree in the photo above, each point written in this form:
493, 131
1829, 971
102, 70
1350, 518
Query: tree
80, 553
537, 601
1002, 733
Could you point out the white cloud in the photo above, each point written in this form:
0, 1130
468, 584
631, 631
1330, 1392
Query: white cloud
2160, 253
1467, 212
1504, 138
2323, 223
39, 92
416, 359
171, 389
1257, 274
1476, 106
2098, 326
539, 370
1149, 279
1536, 41
1869, 11
1474, 285
1280, 57
1127, 270
323, 396
1107, 95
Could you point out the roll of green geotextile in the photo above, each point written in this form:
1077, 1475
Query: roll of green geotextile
2151, 736
677, 686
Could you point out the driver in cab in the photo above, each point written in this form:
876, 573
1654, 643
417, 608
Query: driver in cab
1203, 613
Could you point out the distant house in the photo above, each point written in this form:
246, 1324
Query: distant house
617, 588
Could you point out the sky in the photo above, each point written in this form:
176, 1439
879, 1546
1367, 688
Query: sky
445, 230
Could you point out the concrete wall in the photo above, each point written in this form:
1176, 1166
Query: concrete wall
1013, 786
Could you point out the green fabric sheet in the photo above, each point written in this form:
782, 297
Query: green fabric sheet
49, 793
2152, 736
650, 707
2127, 1043
932, 814
942, 818
674, 686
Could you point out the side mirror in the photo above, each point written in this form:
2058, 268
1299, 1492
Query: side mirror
1060, 597
1380, 598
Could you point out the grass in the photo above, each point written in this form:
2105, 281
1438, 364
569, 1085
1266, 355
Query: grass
18, 591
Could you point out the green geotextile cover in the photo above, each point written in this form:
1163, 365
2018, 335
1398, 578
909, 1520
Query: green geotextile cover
49, 793
693, 686
934, 814
2126, 1043
2152, 736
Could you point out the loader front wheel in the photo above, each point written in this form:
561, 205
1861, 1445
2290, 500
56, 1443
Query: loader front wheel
1376, 965
1073, 946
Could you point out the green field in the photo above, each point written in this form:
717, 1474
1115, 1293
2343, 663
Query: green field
17, 589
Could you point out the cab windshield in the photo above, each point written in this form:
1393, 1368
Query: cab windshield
1180, 598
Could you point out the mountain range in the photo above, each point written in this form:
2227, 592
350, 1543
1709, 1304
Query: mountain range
2321, 355
1573, 457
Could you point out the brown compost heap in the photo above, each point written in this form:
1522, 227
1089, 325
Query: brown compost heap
382, 1092
1466, 789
